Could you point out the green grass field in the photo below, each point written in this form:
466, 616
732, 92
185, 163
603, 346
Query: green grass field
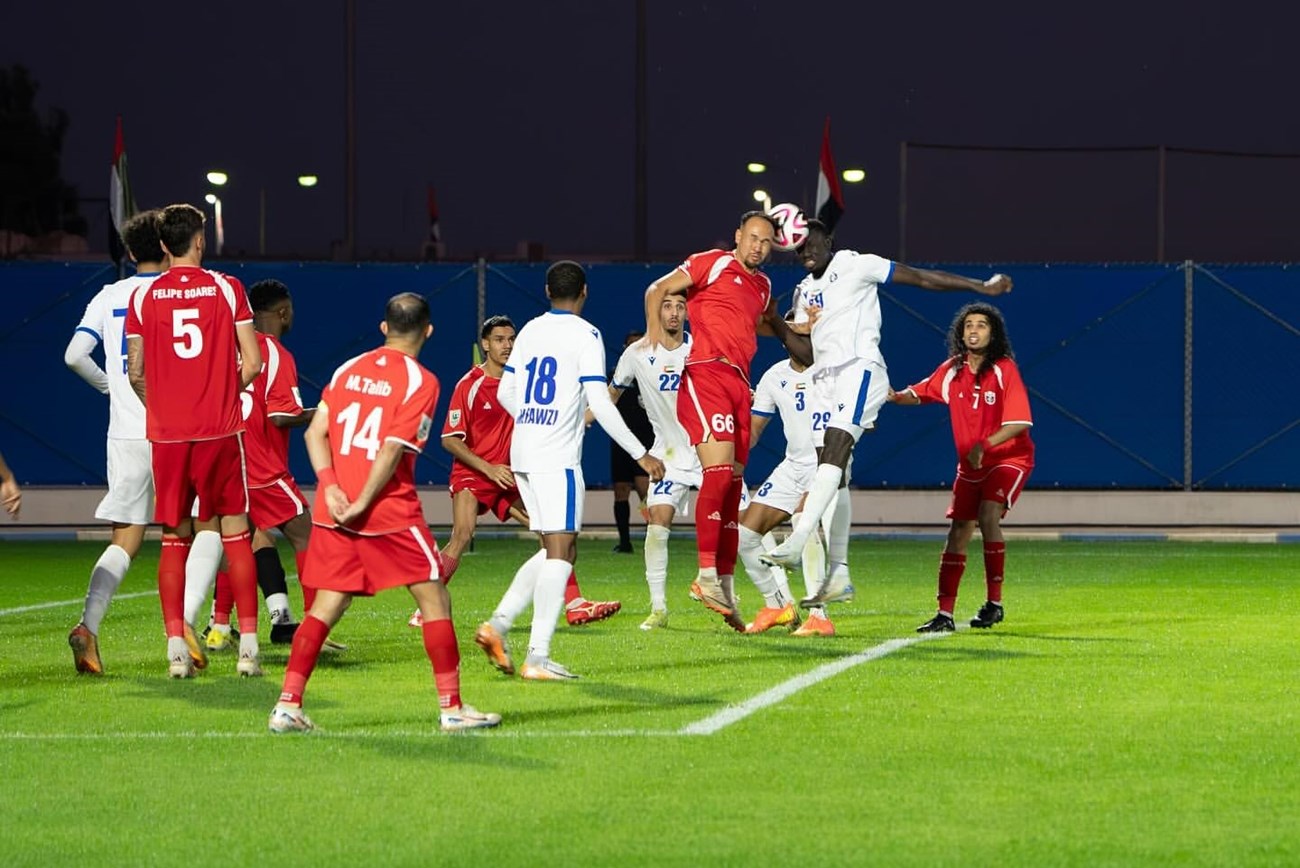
1137, 707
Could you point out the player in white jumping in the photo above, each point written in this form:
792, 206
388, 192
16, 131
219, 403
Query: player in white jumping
556, 370
838, 306
129, 501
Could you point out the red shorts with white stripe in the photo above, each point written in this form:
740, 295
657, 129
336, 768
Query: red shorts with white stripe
713, 401
350, 563
1001, 484
275, 504
211, 470
490, 496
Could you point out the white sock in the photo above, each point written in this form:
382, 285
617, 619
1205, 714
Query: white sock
837, 538
778, 573
814, 564
751, 549
519, 595
176, 647
548, 602
248, 645
656, 565
825, 483
278, 607
201, 571
104, 581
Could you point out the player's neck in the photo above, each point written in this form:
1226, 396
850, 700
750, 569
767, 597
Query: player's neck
269, 326
145, 269
975, 360
672, 341
410, 348
186, 262
735, 254
493, 370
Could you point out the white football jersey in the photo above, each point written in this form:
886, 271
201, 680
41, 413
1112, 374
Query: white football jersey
105, 319
784, 390
658, 373
848, 327
553, 356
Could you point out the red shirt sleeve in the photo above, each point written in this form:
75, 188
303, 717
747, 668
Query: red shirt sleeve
413, 419
457, 421
282, 398
930, 390
697, 267
1015, 397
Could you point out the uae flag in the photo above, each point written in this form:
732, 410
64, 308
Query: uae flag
830, 201
121, 205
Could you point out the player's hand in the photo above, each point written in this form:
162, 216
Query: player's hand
896, 397
502, 475
651, 465
337, 502
588, 417
995, 285
814, 313
11, 497
976, 455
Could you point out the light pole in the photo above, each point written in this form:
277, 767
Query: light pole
763, 199
215, 201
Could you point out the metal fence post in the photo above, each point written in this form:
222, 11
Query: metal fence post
1188, 286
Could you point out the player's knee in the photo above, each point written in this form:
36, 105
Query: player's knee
838, 447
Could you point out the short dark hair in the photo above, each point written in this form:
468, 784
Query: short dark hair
814, 223
407, 313
492, 322
750, 215
177, 226
266, 294
140, 235
565, 280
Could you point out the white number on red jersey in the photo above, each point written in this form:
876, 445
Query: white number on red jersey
366, 436
189, 338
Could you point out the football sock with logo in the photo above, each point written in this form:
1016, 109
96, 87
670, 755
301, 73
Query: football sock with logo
200, 571
444, 655
623, 520
729, 533
519, 595
751, 550
171, 584
307, 642
105, 579
243, 581
656, 565
270, 578
951, 566
714, 488
223, 599
995, 558
548, 602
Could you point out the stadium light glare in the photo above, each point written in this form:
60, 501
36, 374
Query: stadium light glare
756, 168
765, 200
307, 180
854, 176
218, 179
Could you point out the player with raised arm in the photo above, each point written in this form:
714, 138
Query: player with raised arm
477, 434
128, 503
729, 303
989, 406
838, 306
191, 350
556, 370
371, 535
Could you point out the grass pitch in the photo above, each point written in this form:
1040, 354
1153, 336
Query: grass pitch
1138, 706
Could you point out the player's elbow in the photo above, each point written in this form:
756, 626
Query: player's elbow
72, 356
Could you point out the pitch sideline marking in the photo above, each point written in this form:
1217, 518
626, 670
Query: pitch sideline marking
18, 610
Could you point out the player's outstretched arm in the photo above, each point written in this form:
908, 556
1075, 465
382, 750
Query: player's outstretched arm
943, 281
797, 343
77, 357
906, 398
675, 282
11, 496
135, 365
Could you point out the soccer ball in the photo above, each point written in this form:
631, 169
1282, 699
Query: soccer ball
791, 226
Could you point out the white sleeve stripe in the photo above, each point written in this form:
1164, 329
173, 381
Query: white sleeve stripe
414, 379
228, 292
473, 392
272, 363
393, 438
343, 367
718, 266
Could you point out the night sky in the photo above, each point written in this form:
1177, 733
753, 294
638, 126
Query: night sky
522, 116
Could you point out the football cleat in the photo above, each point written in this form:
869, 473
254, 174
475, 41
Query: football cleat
282, 634
735, 622
709, 592
197, 652
770, 616
658, 619
249, 666
815, 625
940, 623
467, 717
783, 556
989, 614
494, 646
289, 718
416, 619
582, 611
181, 666
216, 639
545, 669
623, 549
333, 647
835, 589
85, 651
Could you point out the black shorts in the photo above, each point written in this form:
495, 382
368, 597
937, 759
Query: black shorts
623, 467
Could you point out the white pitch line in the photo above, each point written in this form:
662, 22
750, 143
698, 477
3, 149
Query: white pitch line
80, 601
735, 713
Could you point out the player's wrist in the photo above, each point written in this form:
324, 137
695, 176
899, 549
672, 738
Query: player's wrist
986, 444
326, 477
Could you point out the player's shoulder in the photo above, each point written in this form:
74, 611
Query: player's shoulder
775, 372
467, 379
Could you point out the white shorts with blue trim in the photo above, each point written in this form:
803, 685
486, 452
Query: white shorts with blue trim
853, 395
553, 498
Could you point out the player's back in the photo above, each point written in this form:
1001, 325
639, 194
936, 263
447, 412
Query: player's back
848, 325
186, 319
785, 391
723, 304
553, 355
657, 371
273, 392
106, 319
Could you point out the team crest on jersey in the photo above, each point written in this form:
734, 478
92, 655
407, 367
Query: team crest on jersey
426, 423
453, 417
990, 398
835, 275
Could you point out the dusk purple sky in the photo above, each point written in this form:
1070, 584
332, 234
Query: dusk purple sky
522, 116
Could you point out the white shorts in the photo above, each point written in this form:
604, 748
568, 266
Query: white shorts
851, 394
674, 489
130, 483
553, 498
786, 486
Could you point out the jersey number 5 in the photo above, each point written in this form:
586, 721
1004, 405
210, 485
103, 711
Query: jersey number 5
189, 338
366, 436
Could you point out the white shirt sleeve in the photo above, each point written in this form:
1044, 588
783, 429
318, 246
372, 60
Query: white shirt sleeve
764, 397
84, 340
875, 268
800, 304
506, 391
625, 370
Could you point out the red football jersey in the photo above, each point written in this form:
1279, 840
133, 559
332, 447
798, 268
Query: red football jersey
724, 303
186, 320
274, 392
476, 416
977, 411
379, 396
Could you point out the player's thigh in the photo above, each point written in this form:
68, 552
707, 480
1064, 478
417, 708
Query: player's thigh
859, 391
333, 562
713, 403
966, 497
1003, 484
671, 492
129, 499
173, 488
761, 517
553, 499
398, 559
217, 472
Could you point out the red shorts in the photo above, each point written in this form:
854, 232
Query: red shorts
339, 560
1001, 484
713, 401
491, 497
275, 504
211, 470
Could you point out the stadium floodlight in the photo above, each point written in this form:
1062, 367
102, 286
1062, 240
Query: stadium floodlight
765, 200
756, 168
211, 199
854, 176
308, 180
218, 179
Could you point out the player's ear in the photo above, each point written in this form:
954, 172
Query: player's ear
383, 328
428, 331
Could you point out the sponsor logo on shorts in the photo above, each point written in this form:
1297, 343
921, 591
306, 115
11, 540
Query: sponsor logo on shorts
715, 516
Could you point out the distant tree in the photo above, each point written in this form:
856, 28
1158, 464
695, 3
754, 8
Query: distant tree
34, 199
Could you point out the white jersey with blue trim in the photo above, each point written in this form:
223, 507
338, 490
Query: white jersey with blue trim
553, 356
784, 390
105, 320
658, 372
848, 326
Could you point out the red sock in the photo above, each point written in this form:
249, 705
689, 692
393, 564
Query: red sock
448, 565
951, 566
307, 641
995, 559
308, 594
171, 584
223, 599
243, 579
729, 533
440, 645
571, 590
709, 507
